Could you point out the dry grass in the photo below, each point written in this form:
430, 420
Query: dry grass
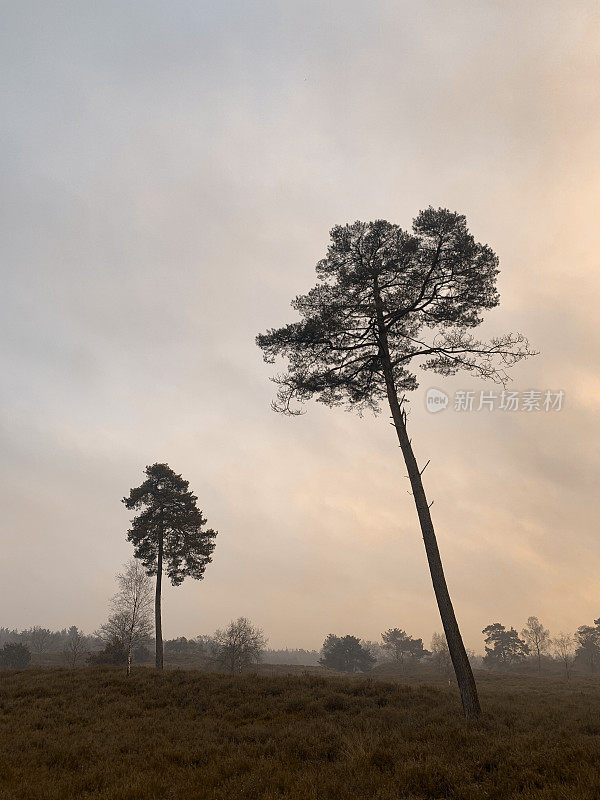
94, 734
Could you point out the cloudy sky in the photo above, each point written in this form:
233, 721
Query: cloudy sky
170, 172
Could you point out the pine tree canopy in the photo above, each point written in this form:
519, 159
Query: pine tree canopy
345, 653
413, 294
169, 510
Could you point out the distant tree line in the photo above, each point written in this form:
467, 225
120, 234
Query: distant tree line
505, 649
235, 648
296, 656
125, 639
43, 640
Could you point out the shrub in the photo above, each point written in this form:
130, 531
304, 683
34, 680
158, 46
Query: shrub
113, 653
183, 645
141, 654
15, 655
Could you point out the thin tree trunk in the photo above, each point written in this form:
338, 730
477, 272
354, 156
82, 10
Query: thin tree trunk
157, 607
460, 661
134, 610
458, 654
130, 638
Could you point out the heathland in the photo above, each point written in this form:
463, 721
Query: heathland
93, 733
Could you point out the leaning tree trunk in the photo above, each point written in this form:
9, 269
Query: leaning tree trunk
458, 654
157, 607
460, 661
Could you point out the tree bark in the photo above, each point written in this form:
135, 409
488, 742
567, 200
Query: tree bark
134, 611
129, 639
458, 654
157, 606
129, 658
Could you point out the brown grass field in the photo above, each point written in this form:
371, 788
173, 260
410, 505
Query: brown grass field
93, 733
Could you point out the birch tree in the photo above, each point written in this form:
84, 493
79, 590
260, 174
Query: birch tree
239, 645
537, 638
74, 647
563, 647
131, 618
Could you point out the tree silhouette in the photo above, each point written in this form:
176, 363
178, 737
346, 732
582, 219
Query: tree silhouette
346, 654
238, 646
168, 534
506, 646
387, 298
114, 653
587, 638
564, 650
74, 646
402, 647
440, 655
39, 638
15, 655
537, 638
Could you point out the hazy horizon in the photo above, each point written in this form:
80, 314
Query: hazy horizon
170, 176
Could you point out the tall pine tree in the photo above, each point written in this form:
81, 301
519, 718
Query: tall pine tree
386, 300
168, 534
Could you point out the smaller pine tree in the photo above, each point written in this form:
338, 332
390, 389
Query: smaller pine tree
346, 654
168, 534
506, 648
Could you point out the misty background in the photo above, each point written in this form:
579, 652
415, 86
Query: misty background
170, 173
